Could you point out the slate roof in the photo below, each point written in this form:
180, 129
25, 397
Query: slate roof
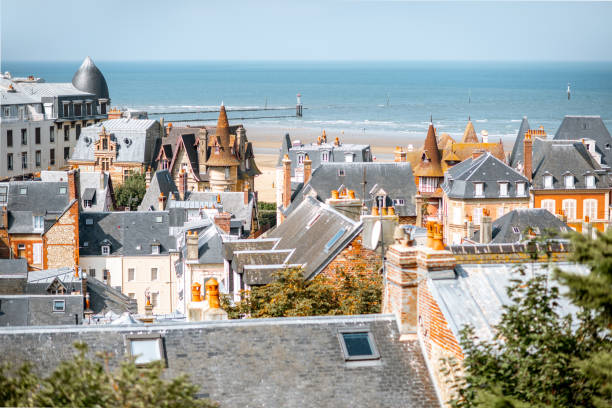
511, 227
189, 142
337, 154
210, 246
477, 294
47, 199
89, 185
561, 157
88, 78
395, 179
459, 180
39, 281
161, 182
136, 140
518, 150
13, 267
587, 127
231, 202
285, 362
130, 233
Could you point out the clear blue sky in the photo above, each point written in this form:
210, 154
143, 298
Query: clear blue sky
305, 30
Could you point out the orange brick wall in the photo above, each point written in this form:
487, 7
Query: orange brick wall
28, 241
354, 259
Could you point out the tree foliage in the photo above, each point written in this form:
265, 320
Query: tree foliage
291, 295
540, 358
266, 213
131, 192
83, 382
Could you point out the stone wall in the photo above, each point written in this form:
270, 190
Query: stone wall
61, 241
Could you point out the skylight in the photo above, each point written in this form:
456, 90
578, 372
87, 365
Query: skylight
334, 239
358, 345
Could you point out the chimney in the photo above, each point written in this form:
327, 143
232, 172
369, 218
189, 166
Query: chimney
246, 194
182, 184
192, 245
400, 154
161, 202
196, 295
486, 227
214, 311
476, 153
347, 204
148, 178
528, 156
202, 150
72, 184
469, 228
485, 136
4, 217
286, 181
222, 220
307, 168
102, 177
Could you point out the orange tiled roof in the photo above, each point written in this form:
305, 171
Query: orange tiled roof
430, 164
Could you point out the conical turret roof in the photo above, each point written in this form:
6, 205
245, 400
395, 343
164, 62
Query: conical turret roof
430, 164
221, 154
469, 136
88, 78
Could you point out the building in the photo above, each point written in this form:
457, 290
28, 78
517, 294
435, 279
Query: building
592, 132
95, 189
209, 158
481, 184
428, 175
517, 157
374, 184
159, 185
40, 222
133, 252
41, 122
119, 147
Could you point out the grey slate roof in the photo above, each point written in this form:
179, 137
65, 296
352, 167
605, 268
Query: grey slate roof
561, 157
45, 199
161, 182
518, 150
588, 127
460, 179
539, 220
210, 246
396, 179
12, 267
89, 185
130, 233
39, 281
136, 140
231, 202
286, 362
88, 78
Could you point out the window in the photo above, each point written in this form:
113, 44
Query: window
37, 253
59, 305
37, 135
159, 218
63, 190
569, 181
38, 158
88, 107
503, 189
145, 348
153, 274
520, 189
341, 172
86, 244
589, 209
155, 249
300, 159
476, 215
52, 157
78, 109
358, 345
457, 216
324, 157
131, 274
548, 181
334, 239
9, 138
51, 134
9, 161
105, 274
87, 203
24, 160
3, 194
66, 110
92, 273
78, 131
23, 190
39, 223
21, 251
66, 153
548, 205
348, 157
154, 299
7, 111
227, 173
478, 189
428, 184
66, 133
105, 249
24, 137
399, 202
516, 230
103, 108
590, 181
569, 209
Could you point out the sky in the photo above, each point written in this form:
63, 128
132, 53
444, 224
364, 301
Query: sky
137, 30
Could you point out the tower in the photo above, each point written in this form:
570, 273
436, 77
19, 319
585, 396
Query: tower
222, 164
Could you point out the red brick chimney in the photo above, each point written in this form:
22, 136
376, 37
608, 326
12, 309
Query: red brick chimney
528, 156
246, 194
182, 184
286, 181
222, 220
307, 168
161, 205
148, 177
72, 185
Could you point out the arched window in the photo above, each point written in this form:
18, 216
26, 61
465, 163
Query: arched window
589, 209
548, 205
569, 209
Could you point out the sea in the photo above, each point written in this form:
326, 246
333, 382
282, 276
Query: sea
369, 99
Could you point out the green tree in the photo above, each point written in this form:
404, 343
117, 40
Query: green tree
131, 192
538, 357
291, 295
266, 214
83, 382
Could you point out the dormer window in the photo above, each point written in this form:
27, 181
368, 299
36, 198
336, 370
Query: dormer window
155, 248
503, 189
520, 189
39, 223
63, 190
569, 181
548, 181
349, 157
300, 159
590, 181
325, 157
105, 249
478, 189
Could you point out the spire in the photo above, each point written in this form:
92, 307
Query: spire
221, 154
469, 136
430, 164
222, 122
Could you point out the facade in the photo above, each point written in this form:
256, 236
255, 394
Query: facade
479, 185
428, 175
41, 122
118, 147
40, 222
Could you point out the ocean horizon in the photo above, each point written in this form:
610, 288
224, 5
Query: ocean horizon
364, 97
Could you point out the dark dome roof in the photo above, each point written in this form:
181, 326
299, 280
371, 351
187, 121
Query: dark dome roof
88, 78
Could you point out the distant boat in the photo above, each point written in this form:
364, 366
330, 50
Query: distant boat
569, 92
